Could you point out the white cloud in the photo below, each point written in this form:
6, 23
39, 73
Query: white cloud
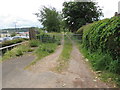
109, 7
21, 11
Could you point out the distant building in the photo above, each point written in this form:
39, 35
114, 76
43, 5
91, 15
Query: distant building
16, 29
23, 33
4, 33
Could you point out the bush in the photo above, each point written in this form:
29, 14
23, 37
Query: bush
45, 49
103, 62
101, 40
10, 42
101, 45
104, 35
34, 43
114, 66
17, 51
80, 30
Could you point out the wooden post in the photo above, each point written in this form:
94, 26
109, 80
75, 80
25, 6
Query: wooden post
32, 33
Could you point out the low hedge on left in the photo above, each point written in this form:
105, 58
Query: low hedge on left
10, 42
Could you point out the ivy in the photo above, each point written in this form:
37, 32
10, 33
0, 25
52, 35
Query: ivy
104, 35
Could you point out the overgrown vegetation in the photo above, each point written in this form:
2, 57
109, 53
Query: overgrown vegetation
101, 45
17, 51
44, 50
10, 42
34, 43
48, 45
65, 55
45, 45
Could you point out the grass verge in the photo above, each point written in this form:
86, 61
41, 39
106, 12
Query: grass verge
100, 63
46, 47
17, 51
65, 55
42, 51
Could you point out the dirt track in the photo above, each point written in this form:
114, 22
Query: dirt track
42, 75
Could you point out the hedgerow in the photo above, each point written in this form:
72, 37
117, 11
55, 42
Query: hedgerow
101, 45
104, 36
10, 42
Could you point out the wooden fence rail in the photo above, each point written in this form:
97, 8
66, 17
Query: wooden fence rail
10, 46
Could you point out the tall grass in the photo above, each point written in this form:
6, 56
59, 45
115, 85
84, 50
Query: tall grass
47, 46
103, 62
34, 43
17, 51
43, 50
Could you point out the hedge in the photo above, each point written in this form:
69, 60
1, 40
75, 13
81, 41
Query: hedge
103, 37
10, 42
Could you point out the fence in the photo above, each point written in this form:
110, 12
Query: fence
6, 48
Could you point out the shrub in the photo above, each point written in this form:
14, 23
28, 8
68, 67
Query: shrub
45, 49
114, 66
34, 43
103, 62
10, 42
101, 45
17, 51
104, 35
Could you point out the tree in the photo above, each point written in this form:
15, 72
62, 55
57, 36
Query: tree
50, 19
77, 14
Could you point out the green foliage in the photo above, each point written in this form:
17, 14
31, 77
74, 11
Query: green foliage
101, 45
34, 43
110, 78
49, 44
43, 50
10, 42
47, 48
103, 62
85, 27
114, 66
17, 51
104, 35
50, 19
77, 14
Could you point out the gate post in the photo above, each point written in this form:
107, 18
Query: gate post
32, 33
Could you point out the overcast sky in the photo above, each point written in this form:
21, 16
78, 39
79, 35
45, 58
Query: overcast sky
21, 11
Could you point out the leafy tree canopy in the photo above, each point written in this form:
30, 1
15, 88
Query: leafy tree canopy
49, 18
77, 14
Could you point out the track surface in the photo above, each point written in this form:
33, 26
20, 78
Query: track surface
42, 74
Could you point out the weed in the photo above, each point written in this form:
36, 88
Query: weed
17, 51
103, 62
34, 43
